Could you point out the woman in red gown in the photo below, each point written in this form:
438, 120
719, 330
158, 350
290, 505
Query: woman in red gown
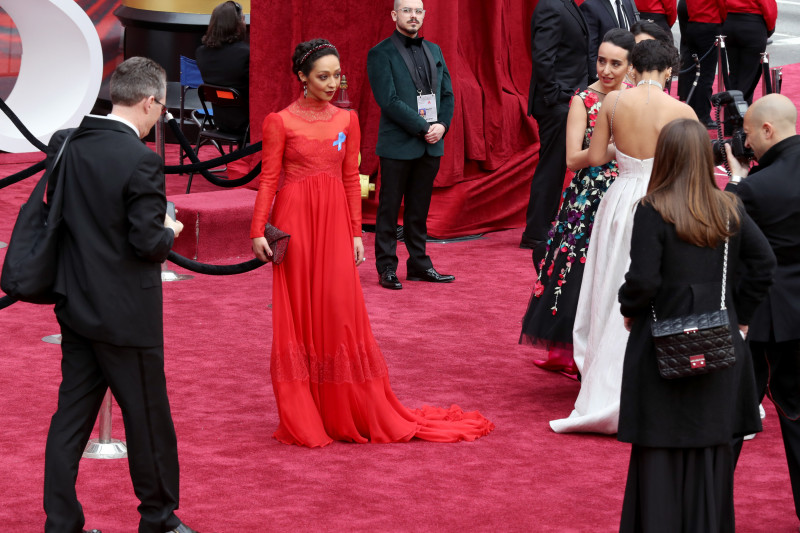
328, 374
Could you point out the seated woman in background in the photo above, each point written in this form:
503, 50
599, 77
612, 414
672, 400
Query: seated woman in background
681, 468
551, 310
224, 59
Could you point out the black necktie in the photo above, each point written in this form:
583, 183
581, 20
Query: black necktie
620, 16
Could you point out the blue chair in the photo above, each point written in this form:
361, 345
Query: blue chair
191, 79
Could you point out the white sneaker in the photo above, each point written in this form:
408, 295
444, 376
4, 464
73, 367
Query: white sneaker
751, 436
762, 412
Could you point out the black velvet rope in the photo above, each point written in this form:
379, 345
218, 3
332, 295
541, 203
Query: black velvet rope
22, 174
214, 270
203, 167
689, 69
21, 127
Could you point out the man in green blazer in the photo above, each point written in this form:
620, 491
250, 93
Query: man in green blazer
411, 84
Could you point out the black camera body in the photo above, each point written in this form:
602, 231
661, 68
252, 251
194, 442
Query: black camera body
735, 107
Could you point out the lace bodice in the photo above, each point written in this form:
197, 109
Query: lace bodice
308, 138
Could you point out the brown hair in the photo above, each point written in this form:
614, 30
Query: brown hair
226, 25
683, 189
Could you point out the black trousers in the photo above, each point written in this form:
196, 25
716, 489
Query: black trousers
548, 178
136, 378
777, 370
408, 182
746, 39
658, 18
698, 39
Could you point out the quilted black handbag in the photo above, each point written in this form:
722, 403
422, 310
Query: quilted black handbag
694, 344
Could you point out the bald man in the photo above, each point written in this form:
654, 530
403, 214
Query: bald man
771, 196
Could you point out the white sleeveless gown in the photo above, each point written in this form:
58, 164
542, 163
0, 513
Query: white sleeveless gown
599, 335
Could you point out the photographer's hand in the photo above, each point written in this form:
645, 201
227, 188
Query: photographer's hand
737, 168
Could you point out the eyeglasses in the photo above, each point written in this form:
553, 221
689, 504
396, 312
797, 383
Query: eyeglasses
163, 106
407, 11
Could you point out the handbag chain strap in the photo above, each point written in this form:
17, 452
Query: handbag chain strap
722, 305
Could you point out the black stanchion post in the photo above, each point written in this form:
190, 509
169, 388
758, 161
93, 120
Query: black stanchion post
776, 75
105, 447
722, 63
166, 273
766, 82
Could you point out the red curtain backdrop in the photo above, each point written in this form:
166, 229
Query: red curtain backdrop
492, 146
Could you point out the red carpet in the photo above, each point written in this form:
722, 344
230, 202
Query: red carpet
443, 344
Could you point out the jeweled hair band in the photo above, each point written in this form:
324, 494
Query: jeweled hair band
315, 49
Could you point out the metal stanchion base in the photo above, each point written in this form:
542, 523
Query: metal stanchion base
113, 449
53, 339
169, 275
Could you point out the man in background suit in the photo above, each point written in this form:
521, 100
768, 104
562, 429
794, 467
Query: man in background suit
601, 16
114, 237
560, 53
411, 84
771, 196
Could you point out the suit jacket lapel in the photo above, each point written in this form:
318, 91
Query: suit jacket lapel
398, 43
575, 12
611, 11
433, 74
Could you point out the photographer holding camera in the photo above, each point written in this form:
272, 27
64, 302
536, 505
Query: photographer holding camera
771, 196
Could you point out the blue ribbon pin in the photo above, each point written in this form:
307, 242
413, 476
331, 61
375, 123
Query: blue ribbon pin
340, 141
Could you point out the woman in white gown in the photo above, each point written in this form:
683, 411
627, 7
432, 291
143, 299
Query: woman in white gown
632, 119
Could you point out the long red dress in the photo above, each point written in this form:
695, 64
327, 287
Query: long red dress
328, 374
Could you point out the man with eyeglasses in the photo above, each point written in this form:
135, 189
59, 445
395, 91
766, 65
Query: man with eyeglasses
115, 234
411, 84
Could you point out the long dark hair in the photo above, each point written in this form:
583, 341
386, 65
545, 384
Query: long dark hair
682, 186
226, 25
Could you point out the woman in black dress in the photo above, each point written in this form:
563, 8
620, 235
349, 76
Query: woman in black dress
551, 309
224, 59
680, 476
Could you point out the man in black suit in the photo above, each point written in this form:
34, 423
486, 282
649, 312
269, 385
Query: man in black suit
411, 84
601, 16
560, 53
771, 196
115, 235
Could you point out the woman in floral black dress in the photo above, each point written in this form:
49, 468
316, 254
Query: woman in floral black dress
551, 311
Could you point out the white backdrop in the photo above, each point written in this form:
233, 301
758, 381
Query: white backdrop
60, 72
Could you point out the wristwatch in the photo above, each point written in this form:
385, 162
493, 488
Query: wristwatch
735, 179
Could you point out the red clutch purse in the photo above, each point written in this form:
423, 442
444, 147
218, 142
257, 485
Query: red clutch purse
278, 242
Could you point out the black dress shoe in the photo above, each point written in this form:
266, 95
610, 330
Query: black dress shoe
430, 275
527, 242
389, 280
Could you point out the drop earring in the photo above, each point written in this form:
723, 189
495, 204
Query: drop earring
305, 89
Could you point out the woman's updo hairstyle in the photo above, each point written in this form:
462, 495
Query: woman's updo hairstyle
307, 53
652, 29
622, 38
653, 54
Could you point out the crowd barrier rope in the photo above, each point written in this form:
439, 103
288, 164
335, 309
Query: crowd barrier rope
196, 166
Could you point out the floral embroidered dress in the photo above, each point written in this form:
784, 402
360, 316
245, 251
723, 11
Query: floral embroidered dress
329, 377
551, 311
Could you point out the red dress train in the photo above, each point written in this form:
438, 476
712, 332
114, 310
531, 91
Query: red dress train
328, 374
